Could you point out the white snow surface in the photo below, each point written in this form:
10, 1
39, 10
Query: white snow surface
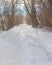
24, 45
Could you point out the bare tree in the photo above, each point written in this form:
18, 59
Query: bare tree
45, 11
1, 23
8, 18
33, 12
12, 6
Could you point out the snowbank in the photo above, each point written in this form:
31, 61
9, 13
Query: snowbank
24, 45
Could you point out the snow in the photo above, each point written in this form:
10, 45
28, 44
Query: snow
24, 45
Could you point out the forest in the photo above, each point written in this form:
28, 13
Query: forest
37, 13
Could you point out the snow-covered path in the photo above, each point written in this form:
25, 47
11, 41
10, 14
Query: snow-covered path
23, 45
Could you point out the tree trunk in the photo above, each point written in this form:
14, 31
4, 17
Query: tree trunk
12, 13
33, 14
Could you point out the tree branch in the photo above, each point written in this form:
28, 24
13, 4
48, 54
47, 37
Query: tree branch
27, 8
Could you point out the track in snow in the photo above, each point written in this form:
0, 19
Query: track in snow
25, 47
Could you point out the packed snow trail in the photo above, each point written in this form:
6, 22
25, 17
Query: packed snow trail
24, 45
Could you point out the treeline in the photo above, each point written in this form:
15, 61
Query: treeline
39, 13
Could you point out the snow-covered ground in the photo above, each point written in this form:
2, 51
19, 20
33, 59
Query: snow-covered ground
24, 45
